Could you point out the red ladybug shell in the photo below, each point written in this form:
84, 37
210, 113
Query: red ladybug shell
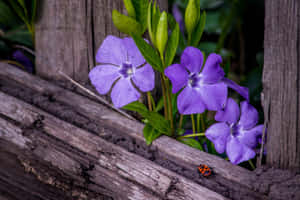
204, 170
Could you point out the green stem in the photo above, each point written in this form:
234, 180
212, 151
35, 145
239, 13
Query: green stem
192, 135
149, 101
189, 39
251, 164
153, 102
193, 124
167, 95
164, 96
169, 102
202, 122
180, 121
198, 122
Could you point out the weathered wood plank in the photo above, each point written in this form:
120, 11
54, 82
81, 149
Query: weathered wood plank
62, 36
134, 129
281, 83
110, 157
21, 179
226, 175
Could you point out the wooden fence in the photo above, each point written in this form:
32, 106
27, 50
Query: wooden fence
60, 143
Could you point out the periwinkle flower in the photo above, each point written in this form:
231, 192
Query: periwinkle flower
201, 89
24, 60
236, 133
121, 63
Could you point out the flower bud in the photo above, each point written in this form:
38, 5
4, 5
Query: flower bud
162, 33
192, 14
130, 8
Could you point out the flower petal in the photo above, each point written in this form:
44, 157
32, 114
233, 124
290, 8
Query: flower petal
189, 102
251, 137
178, 16
111, 51
249, 116
212, 71
218, 133
103, 76
134, 55
230, 113
214, 95
192, 59
238, 152
243, 91
124, 93
178, 76
143, 78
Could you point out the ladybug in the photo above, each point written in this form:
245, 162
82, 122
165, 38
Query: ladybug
204, 170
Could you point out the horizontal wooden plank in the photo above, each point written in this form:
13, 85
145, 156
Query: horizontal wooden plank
228, 179
96, 111
113, 160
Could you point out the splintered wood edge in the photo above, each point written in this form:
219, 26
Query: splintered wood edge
110, 157
92, 109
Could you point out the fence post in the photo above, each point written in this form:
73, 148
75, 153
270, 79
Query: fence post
68, 34
281, 83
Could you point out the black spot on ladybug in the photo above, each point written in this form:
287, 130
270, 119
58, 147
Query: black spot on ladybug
204, 170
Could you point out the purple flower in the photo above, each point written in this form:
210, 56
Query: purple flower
235, 133
243, 91
121, 63
178, 16
23, 60
201, 90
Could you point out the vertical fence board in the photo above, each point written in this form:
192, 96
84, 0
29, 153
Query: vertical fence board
281, 83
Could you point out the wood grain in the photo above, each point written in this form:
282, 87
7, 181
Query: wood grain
226, 175
113, 163
281, 83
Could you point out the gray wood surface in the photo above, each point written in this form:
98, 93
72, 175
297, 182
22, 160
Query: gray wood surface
281, 83
69, 33
127, 175
235, 179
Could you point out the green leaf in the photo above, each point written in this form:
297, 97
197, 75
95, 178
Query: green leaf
126, 24
149, 23
23, 5
33, 10
141, 7
155, 17
4, 49
172, 22
149, 53
150, 133
156, 120
137, 107
159, 105
196, 37
213, 22
130, 8
20, 35
192, 143
159, 122
172, 46
7, 17
18, 10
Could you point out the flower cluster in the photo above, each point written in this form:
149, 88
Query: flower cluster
236, 132
126, 69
